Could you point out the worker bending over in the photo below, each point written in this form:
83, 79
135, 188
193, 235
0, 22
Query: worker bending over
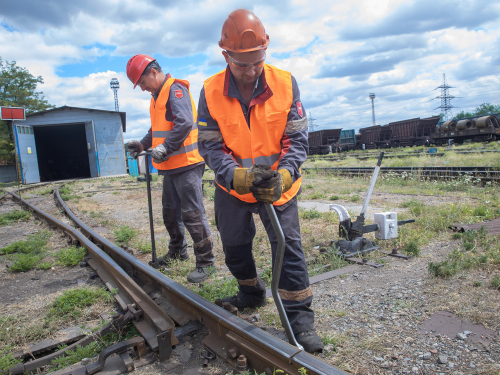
174, 136
253, 134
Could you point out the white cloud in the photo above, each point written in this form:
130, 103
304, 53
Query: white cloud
338, 51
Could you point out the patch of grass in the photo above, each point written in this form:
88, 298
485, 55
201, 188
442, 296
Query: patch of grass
333, 339
270, 318
124, 234
66, 195
46, 191
72, 302
309, 186
70, 256
443, 269
317, 195
144, 246
96, 215
495, 282
33, 245
267, 275
412, 248
14, 216
25, 262
312, 213
116, 192
216, 289
415, 207
334, 198
354, 198
43, 266
477, 283
7, 361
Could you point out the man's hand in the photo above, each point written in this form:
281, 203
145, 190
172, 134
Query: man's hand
135, 148
159, 153
267, 186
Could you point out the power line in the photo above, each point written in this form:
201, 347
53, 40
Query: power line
445, 99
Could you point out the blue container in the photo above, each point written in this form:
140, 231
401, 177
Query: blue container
133, 169
348, 136
433, 150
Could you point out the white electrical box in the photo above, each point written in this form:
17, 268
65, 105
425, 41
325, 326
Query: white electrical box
388, 225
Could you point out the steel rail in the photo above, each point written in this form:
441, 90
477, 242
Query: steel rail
156, 327
227, 331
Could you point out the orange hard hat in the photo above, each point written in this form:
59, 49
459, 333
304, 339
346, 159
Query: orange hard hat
243, 32
136, 66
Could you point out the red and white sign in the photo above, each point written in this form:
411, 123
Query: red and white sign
178, 93
299, 108
12, 113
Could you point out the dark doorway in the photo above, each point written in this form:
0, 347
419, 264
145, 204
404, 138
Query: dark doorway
62, 152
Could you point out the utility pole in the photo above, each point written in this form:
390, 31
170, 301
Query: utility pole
445, 97
311, 122
115, 85
372, 96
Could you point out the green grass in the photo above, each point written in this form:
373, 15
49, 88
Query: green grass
354, 198
216, 289
46, 191
415, 207
70, 256
7, 361
14, 217
495, 282
333, 339
312, 213
477, 250
334, 197
25, 262
412, 248
66, 195
124, 234
72, 302
43, 266
144, 246
96, 215
33, 245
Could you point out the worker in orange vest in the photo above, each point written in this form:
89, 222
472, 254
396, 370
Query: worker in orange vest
173, 137
253, 135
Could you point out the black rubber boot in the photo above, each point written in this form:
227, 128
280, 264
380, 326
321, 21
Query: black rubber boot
243, 300
310, 340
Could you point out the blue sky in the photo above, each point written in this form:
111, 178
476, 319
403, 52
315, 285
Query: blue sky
339, 52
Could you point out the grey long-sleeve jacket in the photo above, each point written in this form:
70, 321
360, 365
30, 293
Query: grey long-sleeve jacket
180, 111
210, 142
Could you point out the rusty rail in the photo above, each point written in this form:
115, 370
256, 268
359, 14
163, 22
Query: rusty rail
230, 336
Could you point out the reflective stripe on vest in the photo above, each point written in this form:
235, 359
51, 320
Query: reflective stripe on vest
261, 142
188, 153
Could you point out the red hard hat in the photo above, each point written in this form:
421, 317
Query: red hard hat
243, 32
136, 66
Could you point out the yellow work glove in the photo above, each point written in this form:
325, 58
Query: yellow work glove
242, 180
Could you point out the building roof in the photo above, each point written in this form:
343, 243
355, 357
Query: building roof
123, 115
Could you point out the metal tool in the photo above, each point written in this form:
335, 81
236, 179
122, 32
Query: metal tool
154, 261
278, 263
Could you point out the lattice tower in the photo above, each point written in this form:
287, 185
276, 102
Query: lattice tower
115, 85
445, 97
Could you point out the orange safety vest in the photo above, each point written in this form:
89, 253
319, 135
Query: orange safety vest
261, 142
188, 153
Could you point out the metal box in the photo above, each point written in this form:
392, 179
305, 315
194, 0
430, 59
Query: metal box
387, 224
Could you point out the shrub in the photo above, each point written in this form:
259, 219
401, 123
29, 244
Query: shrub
33, 245
72, 302
312, 213
495, 282
412, 248
443, 269
25, 262
334, 197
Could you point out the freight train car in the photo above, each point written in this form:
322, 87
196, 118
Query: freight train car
476, 129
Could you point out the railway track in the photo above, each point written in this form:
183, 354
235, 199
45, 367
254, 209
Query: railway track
233, 339
484, 174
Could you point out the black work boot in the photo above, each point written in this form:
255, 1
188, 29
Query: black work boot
310, 340
244, 300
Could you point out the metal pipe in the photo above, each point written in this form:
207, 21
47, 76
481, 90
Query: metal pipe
372, 184
154, 260
278, 263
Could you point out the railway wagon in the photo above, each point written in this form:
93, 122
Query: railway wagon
322, 141
476, 129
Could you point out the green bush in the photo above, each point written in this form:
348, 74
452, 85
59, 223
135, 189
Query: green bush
354, 198
443, 269
495, 282
216, 289
124, 234
334, 197
7, 361
70, 256
25, 262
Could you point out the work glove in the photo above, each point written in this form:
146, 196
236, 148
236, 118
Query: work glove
135, 148
265, 184
159, 153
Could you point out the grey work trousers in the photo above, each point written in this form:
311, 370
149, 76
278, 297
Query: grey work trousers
237, 230
182, 203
